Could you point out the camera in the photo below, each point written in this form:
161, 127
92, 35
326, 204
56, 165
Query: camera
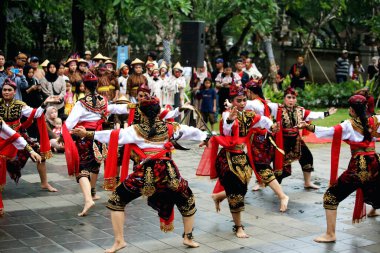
15, 71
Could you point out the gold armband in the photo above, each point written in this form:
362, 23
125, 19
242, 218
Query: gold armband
131, 106
28, 148
310, 128
90, 134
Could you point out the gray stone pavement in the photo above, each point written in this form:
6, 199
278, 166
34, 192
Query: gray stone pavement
39, 221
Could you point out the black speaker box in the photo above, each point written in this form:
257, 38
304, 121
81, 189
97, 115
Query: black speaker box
192, 43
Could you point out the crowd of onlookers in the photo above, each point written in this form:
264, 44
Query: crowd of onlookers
208, 89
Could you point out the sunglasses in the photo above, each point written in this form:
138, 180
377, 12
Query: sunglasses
239, 100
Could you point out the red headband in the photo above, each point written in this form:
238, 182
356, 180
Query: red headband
290, 91
150, 101
9, 82
90, 77
357, 99
144, 88
236, 91
253, 84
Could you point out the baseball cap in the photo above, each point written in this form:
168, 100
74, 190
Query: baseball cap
219, 60
344, 51
34, 59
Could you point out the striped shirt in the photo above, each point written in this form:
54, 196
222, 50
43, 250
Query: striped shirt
342, 66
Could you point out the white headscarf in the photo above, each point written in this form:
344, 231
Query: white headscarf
202, 75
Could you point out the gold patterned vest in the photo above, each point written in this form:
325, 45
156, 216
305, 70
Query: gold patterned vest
245, 121
11, 113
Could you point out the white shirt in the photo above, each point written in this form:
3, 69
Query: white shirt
311, 116
348, 132
6, 132
253, 72
128, 135
264, 122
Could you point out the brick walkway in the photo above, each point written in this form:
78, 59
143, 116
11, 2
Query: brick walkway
39, 221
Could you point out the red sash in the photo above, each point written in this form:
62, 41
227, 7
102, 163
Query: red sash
110, 170
6, 152
45, 151
206, 165
278, 157
71, 151
359, 209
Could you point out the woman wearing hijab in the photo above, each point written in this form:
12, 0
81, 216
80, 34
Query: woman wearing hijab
54, 85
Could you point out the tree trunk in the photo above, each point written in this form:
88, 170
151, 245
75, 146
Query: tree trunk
102, 33
167, 51
77, 27
3, 25
272, 62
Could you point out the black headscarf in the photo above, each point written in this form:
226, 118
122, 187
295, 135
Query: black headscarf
26, 71
49, 76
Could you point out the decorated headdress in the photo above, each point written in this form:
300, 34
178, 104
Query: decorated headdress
90, 78
357, 100
9, 82
144, 88
236, 91
291, 91
149, 100
253, 83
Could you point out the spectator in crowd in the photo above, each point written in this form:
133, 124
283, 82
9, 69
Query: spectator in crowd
61, 70
2, 62
373, 68
342, 66
87, 58
38, 73
175, 87
44, 64
83, 67
123, 78
218, 68
208, 105
152, 56
163, 71
280, 77
79, 92
223, 82
244, 56
251, 69
21, 59
51, 116
197, 79
298, 73
32, 95
54, 85
69, 97
356, 70
17, 76
57, 126
239, 65
155, 84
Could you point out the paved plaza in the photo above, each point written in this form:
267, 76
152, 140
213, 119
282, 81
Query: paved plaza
39, 221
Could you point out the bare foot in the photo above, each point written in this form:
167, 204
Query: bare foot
325, 238
86, 207
240, 233
48, 187
2, 212
373, 213
216, 202
311, 186
284, 203
116, 247
190, 243
96, 197
258, 187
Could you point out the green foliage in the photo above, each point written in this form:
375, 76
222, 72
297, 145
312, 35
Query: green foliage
319, 95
